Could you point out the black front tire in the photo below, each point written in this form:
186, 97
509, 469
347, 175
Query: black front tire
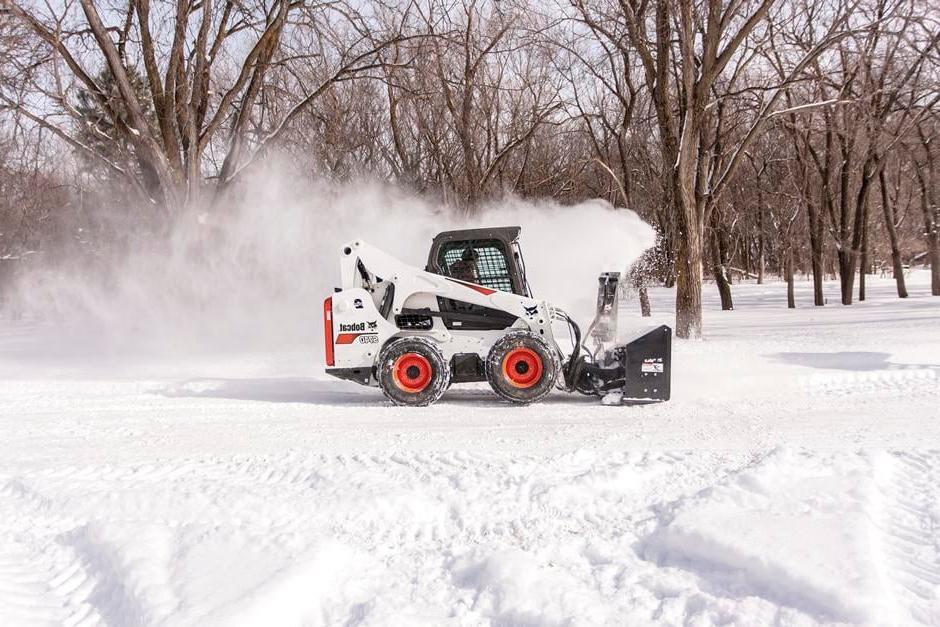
522, 368
412, 371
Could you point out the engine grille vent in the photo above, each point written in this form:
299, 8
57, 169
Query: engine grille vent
413, 321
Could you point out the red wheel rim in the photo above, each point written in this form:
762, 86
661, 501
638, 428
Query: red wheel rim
412, 372
522, 367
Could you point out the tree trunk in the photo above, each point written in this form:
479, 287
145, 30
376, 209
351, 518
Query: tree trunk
818, 271
846, 274
816, 252
670, 280
892, 237
720, 263
666, 243
859, 223
746, 255
688, 289
791, 298
863, 268
644, 302
934, 242
689, 239
931, 228
760, 238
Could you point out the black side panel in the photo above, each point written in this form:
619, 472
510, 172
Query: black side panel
357, 375
477, 318
467, 368
648, 365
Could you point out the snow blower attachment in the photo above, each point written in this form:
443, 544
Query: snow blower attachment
470, 316
636, 371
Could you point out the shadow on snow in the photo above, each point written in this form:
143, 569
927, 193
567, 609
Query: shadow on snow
326, 392
859, 361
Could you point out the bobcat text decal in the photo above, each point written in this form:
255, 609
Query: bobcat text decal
350, 332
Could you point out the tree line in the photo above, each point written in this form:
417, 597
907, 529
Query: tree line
757, 136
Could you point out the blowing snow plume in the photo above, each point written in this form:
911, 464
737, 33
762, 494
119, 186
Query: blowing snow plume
254, 275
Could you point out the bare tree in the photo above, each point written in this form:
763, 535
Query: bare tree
692, 60
653, 105
927, 179
200, 88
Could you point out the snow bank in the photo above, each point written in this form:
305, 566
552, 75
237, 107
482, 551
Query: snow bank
790, 537
795, 529
514, 587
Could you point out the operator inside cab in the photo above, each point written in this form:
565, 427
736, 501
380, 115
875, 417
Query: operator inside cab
465, 268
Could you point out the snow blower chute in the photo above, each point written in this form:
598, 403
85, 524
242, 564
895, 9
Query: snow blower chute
470, 316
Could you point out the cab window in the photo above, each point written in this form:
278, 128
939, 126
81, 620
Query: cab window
480, 261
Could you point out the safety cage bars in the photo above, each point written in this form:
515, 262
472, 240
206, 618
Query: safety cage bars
492, 269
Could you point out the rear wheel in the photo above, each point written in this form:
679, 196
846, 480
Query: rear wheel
521, 367
412, 371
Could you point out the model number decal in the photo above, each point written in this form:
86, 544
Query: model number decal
362, 338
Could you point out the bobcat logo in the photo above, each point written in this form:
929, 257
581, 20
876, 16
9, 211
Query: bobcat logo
359, 326
531, 311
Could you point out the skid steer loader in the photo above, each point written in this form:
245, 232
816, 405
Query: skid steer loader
470, 316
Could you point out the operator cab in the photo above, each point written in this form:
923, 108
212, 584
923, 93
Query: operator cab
489, 257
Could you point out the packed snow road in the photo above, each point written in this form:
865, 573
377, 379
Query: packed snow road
793, 480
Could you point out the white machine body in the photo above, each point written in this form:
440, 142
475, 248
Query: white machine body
357, 330
414, 332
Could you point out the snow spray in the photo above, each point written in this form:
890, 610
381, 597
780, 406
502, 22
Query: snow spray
253, 275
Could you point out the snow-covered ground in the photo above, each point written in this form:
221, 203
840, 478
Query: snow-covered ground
794, 479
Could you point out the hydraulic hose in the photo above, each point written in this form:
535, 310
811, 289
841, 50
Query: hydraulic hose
575, 360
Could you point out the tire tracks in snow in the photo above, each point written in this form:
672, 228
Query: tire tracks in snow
414, 512
900, 382
909, 524
100, 526
42, 582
